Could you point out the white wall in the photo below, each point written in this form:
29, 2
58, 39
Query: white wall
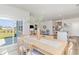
14, 13
74, 26
72, 23
49, 25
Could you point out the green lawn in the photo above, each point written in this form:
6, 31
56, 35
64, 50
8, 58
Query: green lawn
3, 35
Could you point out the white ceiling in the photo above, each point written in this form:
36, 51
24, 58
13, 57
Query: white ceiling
51, 11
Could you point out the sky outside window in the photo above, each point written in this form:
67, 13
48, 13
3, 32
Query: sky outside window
6, 23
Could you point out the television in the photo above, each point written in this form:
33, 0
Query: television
31, 26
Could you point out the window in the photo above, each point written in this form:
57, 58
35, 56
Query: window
7, 28
19, 27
